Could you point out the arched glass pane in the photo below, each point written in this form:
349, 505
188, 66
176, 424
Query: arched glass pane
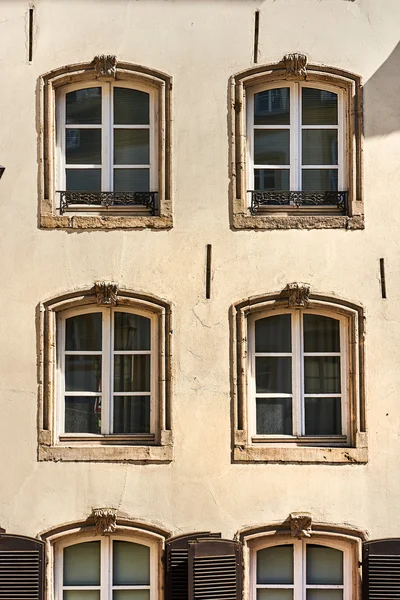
319, 107
131, 107
275, 565
273, 334
131, 332
83, 332
82, 564
324, 565
131, 564
272, 107
321, 334
84, 106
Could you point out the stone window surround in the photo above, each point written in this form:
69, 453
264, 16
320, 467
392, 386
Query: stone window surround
246, 451
89, 72
107, 449
279, 72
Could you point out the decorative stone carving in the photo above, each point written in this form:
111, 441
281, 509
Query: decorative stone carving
298, 294
106, 293
300, 524
295, 65
105, 65
105, 520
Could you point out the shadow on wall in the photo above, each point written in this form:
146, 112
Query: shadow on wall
382, 98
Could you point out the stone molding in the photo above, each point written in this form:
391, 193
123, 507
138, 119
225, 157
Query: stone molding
300, 525
270, 218
103, 66
105, 520
352, 449
156, 447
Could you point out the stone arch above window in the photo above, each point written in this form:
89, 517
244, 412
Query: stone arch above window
105, 146
105, 374
296, 132
298, 378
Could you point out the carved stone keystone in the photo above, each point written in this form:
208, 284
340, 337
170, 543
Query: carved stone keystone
105, 520
106, 293
105, 65
298, 294
300, 524
295, 65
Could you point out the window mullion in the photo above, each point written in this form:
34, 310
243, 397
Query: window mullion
294, 135
105, 568
298, 573
105, 137
106, 375
296, 374
250, 148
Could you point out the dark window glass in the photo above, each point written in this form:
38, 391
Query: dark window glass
83, 107
82, 414
274, 416
274, 374
131, 414
321, 334
83, 332
323, 416
272, 107
273, 334
131, 332
131, 107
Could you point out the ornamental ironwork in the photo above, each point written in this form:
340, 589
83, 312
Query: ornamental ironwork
263, 198
146, 200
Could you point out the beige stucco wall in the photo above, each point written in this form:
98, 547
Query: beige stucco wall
200, 44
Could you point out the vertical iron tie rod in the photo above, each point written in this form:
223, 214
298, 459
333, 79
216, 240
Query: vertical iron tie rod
208, 272
383, 277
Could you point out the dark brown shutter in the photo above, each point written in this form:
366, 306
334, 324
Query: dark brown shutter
176, 571
21, 568
381, 570
215, 568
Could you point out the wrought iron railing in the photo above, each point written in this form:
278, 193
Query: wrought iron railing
264, 198
146, 200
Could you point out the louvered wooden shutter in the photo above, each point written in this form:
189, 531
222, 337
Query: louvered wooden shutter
21, 568
176, 571
381, 570
215, 568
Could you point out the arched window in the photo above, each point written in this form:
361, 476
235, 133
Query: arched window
105, 367
298, 378
105, 146
296, 147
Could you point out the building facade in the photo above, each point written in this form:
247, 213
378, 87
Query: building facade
200, 342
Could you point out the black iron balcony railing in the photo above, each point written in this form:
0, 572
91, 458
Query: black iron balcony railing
264, 198
70, 200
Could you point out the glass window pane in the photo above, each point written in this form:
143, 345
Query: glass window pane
274, 416
320, 146
274, 374
131, 414
83, 373
271, 179
324, 594
131, 147
274, 594
82, 414
320, 180
83, 180
83, 332
131, 332
131, 595
322, 374
273, 334
82, 564
84, 107
131, 564
132, 373
271, 147
81, 595
132, 180
131, 107
272, 107
83, 146
321, 334
324, 565
319, 107
323, 416
275, 565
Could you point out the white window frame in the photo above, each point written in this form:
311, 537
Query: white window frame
299, 579
107, 127
295, 129
297, 354
107, 375
106, 563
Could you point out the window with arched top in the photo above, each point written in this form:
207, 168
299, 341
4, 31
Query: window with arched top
298, 378
296, 147
105, 377
105, 146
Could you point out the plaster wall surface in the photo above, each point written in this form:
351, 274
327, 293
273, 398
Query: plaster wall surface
200, 44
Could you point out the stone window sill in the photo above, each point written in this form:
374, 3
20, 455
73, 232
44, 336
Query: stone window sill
278, 221
75, 222
81, 452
